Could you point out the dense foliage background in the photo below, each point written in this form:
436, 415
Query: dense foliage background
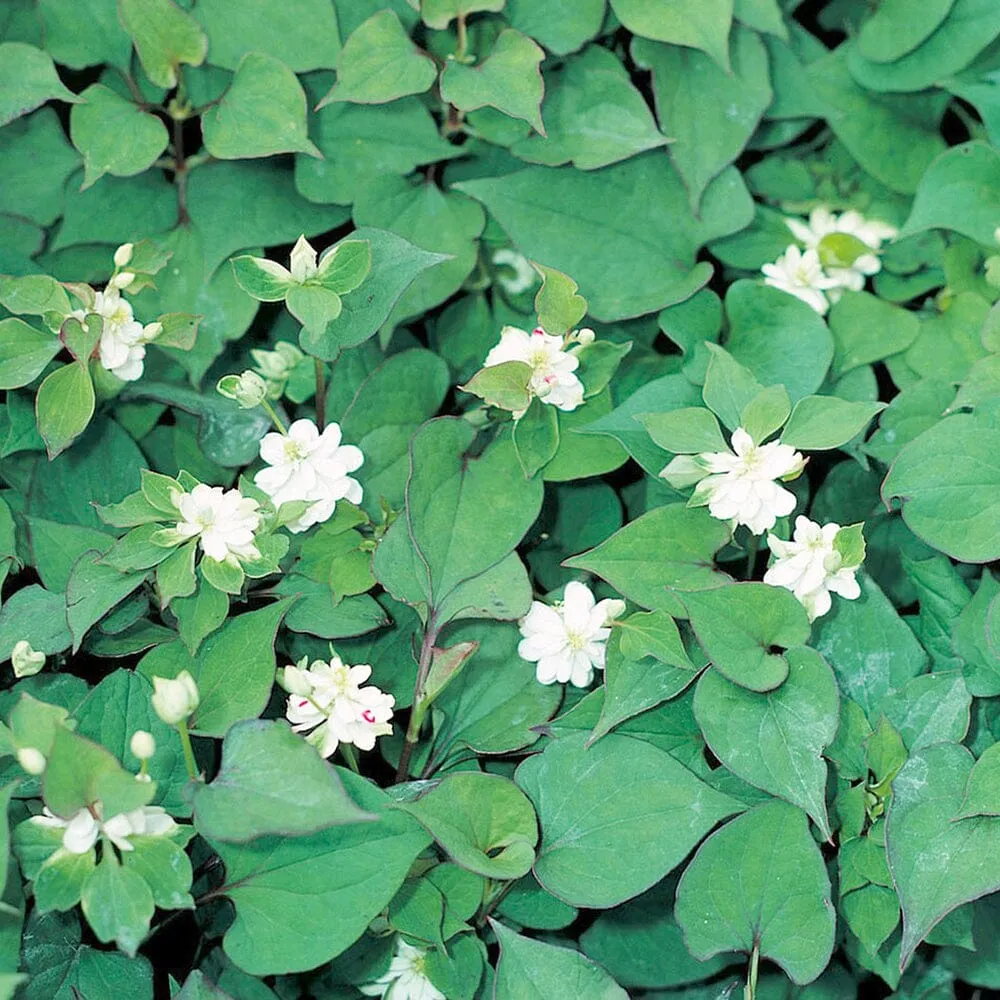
744, 795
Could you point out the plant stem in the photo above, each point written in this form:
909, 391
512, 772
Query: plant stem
416, 716
463, 38
180, 172
350, 756
752, 555
269, 409
320, 393
495, 900
750, 990
192, 767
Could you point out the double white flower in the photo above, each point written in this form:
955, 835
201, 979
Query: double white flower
740, 486
327, 701
568, 641
80, 832
306, 465
553, 378
811, 567
813, 275
224, 521
406, 978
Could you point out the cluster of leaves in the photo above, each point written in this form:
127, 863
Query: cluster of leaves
741, 784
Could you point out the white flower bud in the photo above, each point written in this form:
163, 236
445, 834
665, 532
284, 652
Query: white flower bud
295, 680
303, 260
123, 254
32, 760
122, 281
142, 744
26, 661
585, 336
174, 700
248, 389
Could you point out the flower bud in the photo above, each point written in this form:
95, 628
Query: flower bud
585, 336
122, 280
142, 744
26, 661
295, 680
174, 700
32, 760
248, 389
123, 254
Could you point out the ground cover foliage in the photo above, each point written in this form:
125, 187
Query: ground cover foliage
497, 498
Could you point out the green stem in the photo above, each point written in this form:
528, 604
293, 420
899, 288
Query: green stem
463, 38
752, 555
192, 767
750, 990
416, 715
350, 756
269, 409
320, 393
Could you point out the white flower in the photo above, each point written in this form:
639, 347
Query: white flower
811, 568
567, 641
741, 484
223, 520
329, 703
801, 275
26, 661
174, 699
247, 389
142, 744
122, 346
515, 273
306, 465
823, 223
82, 830
276, 366
552, 369
31, 759
406, 978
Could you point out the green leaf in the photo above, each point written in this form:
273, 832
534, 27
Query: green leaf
742, 626
115, 136
536, 435
447, 496
729, 387
646, 665
379, 63
504, 385
118, 904
937, 861
81, 338
271, 782
164, 35
301, 33
508, 79
33, 294
895, 28
709, 110
819, 423
265, 280
345, 266
396, 263
562, 26
982, 790
262, 113
872, 913
946, 469
894, 137
686, 431
780, 339
64, 406
670, 548
27, 80
766, 413
620, 791
594, 115
625, 233
867, 329
37, 615
86, 33
200, 615
871, 649
314, 307
533, 970
93, 589
932, 708
24, 352
482, 821
558, 306
301, 901
958, 192
776, 740
698, 24
760, 883
599, 361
